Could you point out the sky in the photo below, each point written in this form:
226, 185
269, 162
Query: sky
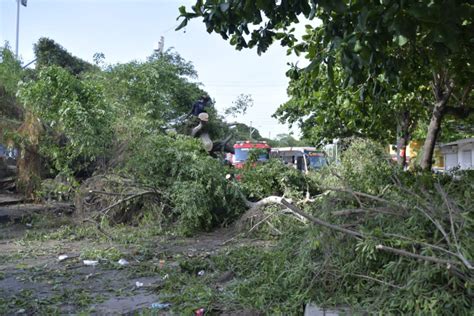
126, 30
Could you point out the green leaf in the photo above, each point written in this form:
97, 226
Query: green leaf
357, 46
182, 24
400, 40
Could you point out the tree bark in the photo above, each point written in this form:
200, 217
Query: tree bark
29, 161
442, 92
403, 138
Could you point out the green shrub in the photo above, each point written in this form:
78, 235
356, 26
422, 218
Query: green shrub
272, 178
76, 116
364, 166
193, 182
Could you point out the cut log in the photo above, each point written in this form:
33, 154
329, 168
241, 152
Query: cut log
15, 213
10, 199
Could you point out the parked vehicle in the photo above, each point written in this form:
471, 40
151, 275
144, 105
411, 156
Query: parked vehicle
301, 158
243, 148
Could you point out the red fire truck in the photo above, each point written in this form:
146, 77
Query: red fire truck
242, 149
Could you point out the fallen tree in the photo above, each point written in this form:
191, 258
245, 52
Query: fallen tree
350, 231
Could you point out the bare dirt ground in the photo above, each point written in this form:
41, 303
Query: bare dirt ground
34, 281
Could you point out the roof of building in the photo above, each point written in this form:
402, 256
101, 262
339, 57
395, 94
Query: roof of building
459, 142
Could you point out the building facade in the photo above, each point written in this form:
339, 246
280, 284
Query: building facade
458, 154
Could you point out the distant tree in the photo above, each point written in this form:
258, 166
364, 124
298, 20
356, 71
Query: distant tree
99, 59
240, 106
242, 131
49, 53
286, 140
334, 110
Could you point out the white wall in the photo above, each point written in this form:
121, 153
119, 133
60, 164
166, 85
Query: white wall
462, 157
465, 158
450, 161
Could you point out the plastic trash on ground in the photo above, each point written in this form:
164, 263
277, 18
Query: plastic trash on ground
199, 312
91, 262
62, 257
160, 305
201, 273
123, 262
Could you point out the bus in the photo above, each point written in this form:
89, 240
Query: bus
243, 148
301, 158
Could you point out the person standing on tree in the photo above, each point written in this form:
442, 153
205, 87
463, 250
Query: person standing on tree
199, 112
199, 105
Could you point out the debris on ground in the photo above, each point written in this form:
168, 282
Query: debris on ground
123, 262
160, 305
313, 310
91, 262
62, 257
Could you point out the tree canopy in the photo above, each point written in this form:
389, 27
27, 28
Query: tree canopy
49, 53
378, 50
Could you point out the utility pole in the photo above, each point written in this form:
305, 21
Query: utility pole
250, 131
23, 2
161, 46
17, 26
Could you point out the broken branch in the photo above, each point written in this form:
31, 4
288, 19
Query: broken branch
414, 255
320, 222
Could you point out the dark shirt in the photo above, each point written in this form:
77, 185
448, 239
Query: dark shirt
198, 107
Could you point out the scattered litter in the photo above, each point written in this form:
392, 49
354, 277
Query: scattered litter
91, 262
123, 262
162, 263
160, 305
199, 312
29, 225
21, 311
201, 273
89, 276
138, 284
63, 257
166, 276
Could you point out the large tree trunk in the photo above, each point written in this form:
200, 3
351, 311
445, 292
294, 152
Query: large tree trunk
442, 88
29, 163
403, 138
